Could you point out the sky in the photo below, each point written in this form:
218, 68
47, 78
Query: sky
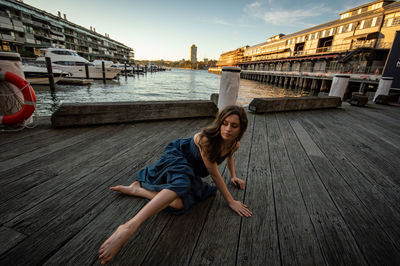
165, 29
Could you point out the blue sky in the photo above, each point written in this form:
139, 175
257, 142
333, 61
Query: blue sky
158, 29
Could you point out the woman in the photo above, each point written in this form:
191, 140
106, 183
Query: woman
174, 182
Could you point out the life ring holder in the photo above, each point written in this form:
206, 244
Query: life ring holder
29, 99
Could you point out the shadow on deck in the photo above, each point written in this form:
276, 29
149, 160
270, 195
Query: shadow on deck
323, 187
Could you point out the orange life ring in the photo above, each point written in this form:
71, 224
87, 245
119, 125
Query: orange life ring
29, 99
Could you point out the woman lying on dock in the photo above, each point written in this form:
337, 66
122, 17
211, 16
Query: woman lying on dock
174, 182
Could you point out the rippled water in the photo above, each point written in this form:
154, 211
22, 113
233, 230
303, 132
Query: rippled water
177, 84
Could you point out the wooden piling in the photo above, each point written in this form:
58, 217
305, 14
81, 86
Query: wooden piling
87, 70
104, 71
50, 73
126, 72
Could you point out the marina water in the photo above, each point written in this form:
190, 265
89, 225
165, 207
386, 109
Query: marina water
177, 84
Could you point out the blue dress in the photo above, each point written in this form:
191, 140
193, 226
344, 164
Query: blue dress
179, 169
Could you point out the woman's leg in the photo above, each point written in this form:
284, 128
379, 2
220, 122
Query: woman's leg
135, 189
112, 245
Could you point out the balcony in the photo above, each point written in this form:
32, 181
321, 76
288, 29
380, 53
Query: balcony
324, 49
20, 39
7, 37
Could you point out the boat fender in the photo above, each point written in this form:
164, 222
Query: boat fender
29, 99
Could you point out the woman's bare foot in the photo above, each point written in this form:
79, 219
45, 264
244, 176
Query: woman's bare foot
133, 189
113, 244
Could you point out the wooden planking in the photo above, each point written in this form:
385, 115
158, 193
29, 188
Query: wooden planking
25, 144
48, 149
9, 238
218, 241
33, 173
334, 237
384, 209
297, 239
85, 210
258, 240
69, 165
108, 220
361, 156
321, 139
85, 179
171, 244
379, 125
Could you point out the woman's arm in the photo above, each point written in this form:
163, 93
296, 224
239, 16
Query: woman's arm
212, 168
239, 183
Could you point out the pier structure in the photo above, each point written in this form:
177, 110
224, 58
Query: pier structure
322, 185
358, 44
26, 29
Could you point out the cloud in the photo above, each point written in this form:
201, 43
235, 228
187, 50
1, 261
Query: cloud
215, 20
285, 17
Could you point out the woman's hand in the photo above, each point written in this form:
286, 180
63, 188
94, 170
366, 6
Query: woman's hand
237, 182
240, 208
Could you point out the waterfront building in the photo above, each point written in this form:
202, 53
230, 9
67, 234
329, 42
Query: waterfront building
193, 55
358, 42
26, 29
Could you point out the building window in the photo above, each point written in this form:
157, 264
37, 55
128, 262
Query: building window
362, 24
340, 29
396, 21
373, 24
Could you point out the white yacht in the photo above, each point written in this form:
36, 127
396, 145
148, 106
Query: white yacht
38, 75
69, 61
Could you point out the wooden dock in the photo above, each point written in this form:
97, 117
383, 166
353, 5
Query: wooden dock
323, 187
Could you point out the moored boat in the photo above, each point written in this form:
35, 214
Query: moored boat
38, 75
69, 61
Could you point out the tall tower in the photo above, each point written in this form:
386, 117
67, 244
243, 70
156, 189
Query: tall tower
193, 55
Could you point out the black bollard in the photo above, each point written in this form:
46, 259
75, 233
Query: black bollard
104, 71
87, 70
50, 73
126, 72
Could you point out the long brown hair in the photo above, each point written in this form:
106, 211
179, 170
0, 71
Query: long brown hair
214, 144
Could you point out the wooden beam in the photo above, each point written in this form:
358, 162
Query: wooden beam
82, 114
266, 105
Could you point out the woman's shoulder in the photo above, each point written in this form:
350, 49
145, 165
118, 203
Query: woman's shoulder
200, 140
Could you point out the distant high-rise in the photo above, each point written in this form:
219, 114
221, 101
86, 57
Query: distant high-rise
193, 55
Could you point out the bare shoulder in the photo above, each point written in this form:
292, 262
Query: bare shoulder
200, 141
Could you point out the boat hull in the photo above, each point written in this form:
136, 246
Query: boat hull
94, 71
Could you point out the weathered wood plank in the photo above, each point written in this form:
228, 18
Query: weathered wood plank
84, 180
297, 239
22, 145
42, 243
363, 156
258, 240
9, 238
77, 249
78, 114
267, 105
57, 174
385, 209
218, 240
39, 170
84, 135
371, 237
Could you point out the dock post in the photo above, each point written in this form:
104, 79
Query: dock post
87, 70
291, 82
103, 67
50, 73
126, 72
384, 87
339, 85
229, 88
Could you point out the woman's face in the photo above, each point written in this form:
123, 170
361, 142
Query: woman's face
230, 128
